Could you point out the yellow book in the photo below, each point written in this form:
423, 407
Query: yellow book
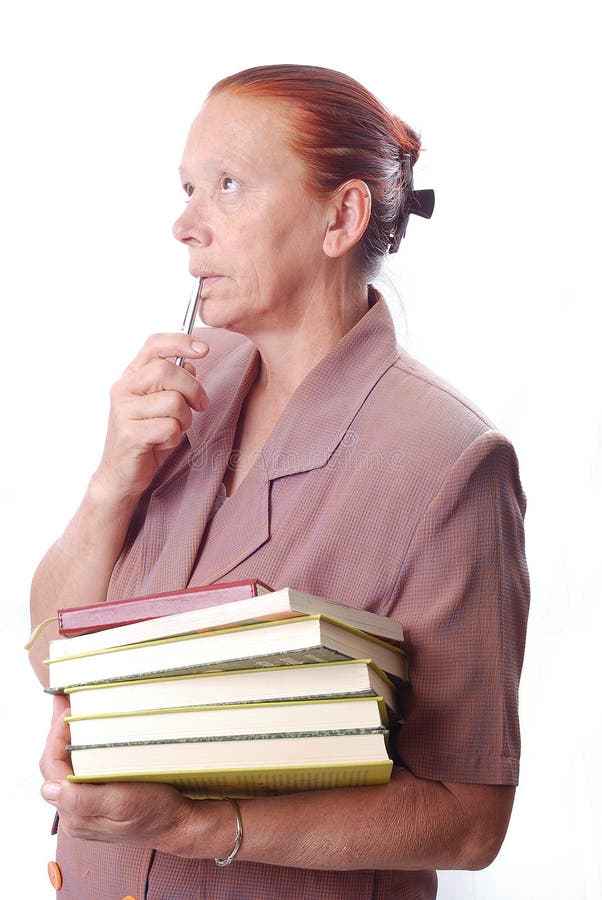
243, 766
262, 782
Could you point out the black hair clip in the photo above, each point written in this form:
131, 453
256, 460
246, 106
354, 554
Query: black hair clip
417, 203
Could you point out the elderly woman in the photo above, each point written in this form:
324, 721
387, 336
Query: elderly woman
300, 445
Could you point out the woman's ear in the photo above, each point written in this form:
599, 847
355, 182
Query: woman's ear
348, 214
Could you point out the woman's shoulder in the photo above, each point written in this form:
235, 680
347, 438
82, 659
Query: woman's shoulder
430, 390
425, 416
423, 425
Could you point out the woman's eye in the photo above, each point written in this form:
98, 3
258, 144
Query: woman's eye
229, 185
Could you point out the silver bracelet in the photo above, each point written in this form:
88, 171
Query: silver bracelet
237, 838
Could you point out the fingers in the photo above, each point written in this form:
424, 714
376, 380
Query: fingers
159, 375
151, 407
129, 803
159, 405
142, 436
54, 763
135, 813
165, 346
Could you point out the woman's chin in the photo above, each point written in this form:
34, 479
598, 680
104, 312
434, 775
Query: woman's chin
216, 314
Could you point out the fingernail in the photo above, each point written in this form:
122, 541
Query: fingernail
199, 346
51, 791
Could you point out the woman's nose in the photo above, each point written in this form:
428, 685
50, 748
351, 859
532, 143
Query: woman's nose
191, 226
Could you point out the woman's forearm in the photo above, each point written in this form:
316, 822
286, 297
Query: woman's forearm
408, 824
76, 569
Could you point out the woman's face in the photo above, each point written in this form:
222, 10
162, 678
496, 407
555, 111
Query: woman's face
250, 225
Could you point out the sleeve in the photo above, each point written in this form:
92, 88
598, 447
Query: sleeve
463, 596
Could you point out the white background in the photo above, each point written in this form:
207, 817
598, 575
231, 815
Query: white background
500, 292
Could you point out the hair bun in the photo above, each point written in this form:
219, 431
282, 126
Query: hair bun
407, 140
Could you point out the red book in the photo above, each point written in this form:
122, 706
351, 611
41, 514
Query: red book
74, 620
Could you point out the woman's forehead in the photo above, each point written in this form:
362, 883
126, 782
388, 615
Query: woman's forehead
253, 130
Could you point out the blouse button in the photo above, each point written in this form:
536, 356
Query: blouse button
55, 876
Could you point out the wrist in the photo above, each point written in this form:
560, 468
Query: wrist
236, 845
207, 830
106, 500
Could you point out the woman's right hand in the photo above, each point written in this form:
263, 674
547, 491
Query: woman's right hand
151, 407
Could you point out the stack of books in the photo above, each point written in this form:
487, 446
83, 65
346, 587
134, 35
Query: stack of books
266, 692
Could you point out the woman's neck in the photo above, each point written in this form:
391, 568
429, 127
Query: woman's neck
289, 352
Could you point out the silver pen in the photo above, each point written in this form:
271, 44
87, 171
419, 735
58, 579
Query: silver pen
191, 313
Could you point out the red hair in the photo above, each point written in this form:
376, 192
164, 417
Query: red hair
341, 131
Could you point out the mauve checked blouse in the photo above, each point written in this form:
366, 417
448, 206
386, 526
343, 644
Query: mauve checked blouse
380, 486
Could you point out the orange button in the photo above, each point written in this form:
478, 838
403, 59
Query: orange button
129, 897
56, 878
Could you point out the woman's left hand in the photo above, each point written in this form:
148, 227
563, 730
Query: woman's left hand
152, 815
